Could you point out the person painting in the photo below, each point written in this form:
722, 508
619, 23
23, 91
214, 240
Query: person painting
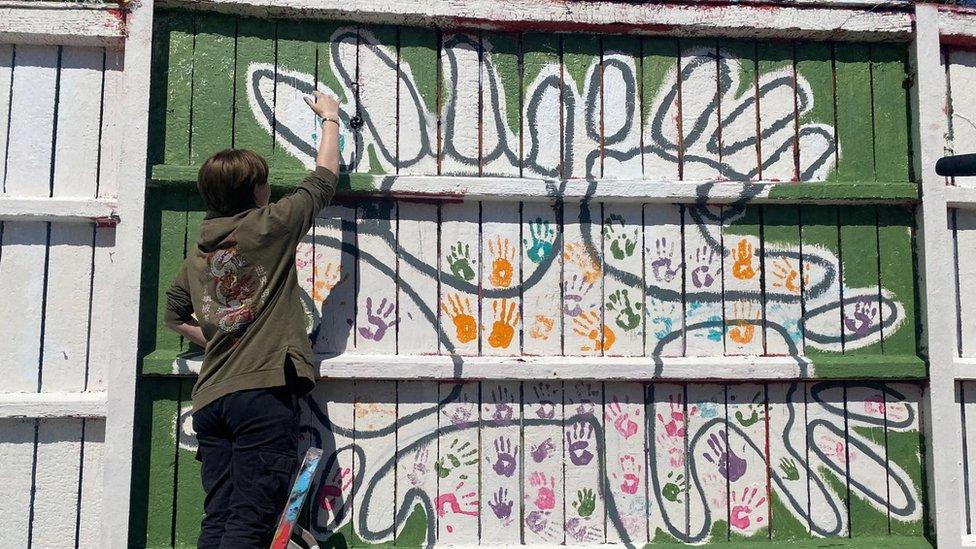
237, 296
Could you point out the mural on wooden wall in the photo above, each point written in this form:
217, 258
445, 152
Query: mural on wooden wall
831, 288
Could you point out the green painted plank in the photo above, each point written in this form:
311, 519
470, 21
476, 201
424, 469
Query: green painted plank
213, 85
897, 276
819, 238
855, 134
905, 449
659, 59
165, 237
296, 53
815, 91
196, 211
255, 44
859, 258
179, 73
189, 489
502, 53
889, 68
418, 60
580, 53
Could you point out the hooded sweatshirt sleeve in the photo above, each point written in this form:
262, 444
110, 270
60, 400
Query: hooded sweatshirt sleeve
296, 212
179, 307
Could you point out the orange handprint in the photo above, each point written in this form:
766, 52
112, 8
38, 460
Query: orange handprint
503, 328
744, 329
501, 268
590, 268
587, 324
460, 313
326, 280
742, 268
787, 276
542, 327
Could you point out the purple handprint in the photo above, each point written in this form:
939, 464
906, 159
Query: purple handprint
864, 313
730, 466
580, 530
578, 440
379, 318
504, 412
573, 293
545, 449
537, 521
501, 505
702, 275
504, 457
663, 267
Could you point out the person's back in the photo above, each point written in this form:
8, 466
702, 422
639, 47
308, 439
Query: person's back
237, 296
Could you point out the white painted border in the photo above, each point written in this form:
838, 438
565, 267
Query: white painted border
811, 20
63, 23
21, 208
957, 24
53, 405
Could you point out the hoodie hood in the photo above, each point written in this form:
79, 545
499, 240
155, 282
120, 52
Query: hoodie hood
218, 232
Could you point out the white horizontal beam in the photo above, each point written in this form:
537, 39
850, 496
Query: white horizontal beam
960, 197
957, 26
103, 211
964, 368
805, 19
67, 23
53, 405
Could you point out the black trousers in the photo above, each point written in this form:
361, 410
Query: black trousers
248, 444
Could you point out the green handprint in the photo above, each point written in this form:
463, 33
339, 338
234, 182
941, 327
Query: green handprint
674, 488
628, 317
542, 237
789, 469
456, 457
621, 243
585, 502
754, 413
460, 261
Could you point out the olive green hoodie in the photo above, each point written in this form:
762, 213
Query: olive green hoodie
241, 282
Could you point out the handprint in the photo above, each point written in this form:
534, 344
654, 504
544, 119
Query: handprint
754, 412
742, 255
326, 280
660, 315
589, 266
503, 329
380, 319
505, 461
663, 266
541, 327
545, 496
542, 236
543, 450
461, 413
503, 413
788, 277
457, 455
418, 472
743, 505
622, 422
674, 487
574, 290
622, 244
587, 324
674, 424
628, 314
331, 492
730, 466
630, 470
864, 312
460, 261
585, 502
465, 325
702, 274
458, 502
788, 466
501, 505
578, 443
744, 322
501, 267
545, 395
580, 529
675, 447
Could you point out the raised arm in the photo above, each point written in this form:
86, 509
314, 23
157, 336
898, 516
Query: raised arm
326, 107
179, 310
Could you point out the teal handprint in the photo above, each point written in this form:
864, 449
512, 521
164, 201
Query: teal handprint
460, 261
542, 236
585, 502
628, 314
622, 243
788, 466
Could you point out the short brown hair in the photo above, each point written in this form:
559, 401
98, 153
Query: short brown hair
226, 181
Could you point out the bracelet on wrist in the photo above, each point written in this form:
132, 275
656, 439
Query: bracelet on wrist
332, 119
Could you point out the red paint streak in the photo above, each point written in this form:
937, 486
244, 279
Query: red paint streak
959, 40
557, 26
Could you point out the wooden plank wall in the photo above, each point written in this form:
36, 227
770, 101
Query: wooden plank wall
54, 276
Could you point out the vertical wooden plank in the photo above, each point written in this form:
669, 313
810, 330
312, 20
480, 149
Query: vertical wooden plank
827, 457
418, 88
332, 411
24, 246
188, 492
376, 413
32, 105
254, 85
91, 511
458, 464
541, 279
622, 119
852, 73
742, 283
416, 478
788, 470
962, 78
165, 237
378, 66
703, 249
889, 71
162, 398
859, 244
502, 456
376, 287
6, 77
213, 85
867, 460
626, 462
664, 279
897, 280
816, 138
737, 79
501, 125
335, 274
749, 510
460, 262
965, 233
777, 111
461, 103
17, 451
907, 502
501, 322
967, 405
584, 330
699, 110
667, 468
542, 438
542, 90
784, 280
417, 298
305, 267
337, 69
295, 127
581, 106
819, 240
57, 469
623, 264
661, 130
79, 105
585, 444
175, 68
713, 464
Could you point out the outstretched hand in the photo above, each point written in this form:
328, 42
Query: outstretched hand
322, 104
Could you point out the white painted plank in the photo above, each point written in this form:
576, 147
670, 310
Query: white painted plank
660, 133
6, 74
584, 330
32, 102
542, 438
376, 291
621, 109
713, 463
417, 287
664, 276
585, 442
788, 454
334, 293
777, 116
58, 466
703, 251
332, 416
458, 465
23, 247
378, 100
626, 462
737, 92
541, 280
965, 232
667, 468
113, 126
623, 277
502, 454
784, 287
699, 113
416, 479
17, 454
101, 340
749, 508
962, 82
582, 110
968, 436
343, 59
500, 152
821, 290
742, 272
827, 457
306, 269
542, 156
501, 306
79, 117
418, 119
460, 261
93, 468
376, 413
460, 103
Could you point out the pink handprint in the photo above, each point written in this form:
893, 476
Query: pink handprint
621, 418
743, 505
674, 425
629, 478
545, 497
331, 492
